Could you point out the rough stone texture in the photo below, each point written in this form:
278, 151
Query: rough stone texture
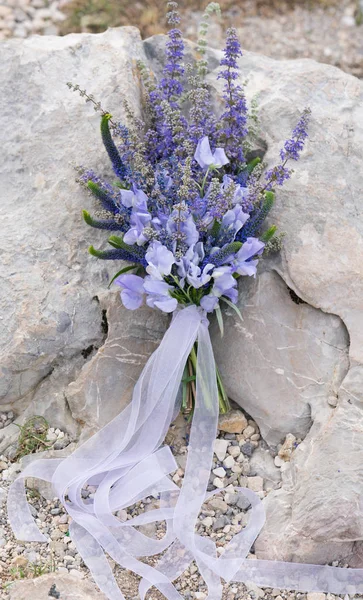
51, 320
70, 588
106, 382
262, 464
284, 361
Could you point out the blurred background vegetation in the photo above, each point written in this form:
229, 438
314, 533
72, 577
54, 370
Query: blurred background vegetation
329, 31
149, 15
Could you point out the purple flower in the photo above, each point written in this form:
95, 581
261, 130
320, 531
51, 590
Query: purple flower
160, 260
224, 285
196, 277
242, 263
277, 176
181, 227
234, 119
132, 290
234, 219
134, 198
189, 270
158, 295
209, 302
139, 219
205, 158
295, 145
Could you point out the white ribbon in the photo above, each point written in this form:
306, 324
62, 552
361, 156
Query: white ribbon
127, 462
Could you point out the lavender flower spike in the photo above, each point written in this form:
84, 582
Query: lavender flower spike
205, 158
132, 290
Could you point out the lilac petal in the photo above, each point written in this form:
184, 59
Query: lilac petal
191, 232
209, 302
140, 201
235, 218
248, 268
131, 236
160, 260
224, 283
167, 305
219, 157
131, 300
127, 197
232, 294
132, 292
131, 282
203, 154
251, 247
240, 195
156, 287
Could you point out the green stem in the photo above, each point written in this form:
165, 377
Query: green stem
224, 405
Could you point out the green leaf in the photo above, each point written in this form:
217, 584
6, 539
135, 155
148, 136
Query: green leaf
269, 234
253, 163
269, 200
87, 217
124, 270
235, 308
104, 254
220, 320
187, 379
117, 242
215, 229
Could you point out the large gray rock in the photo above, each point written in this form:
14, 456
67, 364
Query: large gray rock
52, 321
284, 360
106, 382
281, 364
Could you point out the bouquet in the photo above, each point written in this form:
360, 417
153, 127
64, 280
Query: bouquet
188, 207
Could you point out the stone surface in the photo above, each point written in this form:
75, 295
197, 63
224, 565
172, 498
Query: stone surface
262, 463
106, 382
52, 316
284, 360
69, 586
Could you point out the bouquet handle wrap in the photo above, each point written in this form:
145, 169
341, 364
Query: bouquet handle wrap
126, 461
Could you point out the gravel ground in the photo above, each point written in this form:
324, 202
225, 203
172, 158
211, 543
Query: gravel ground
240, 459
21, 18
328, 35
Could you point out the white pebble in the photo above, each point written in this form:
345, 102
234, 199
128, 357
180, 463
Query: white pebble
234, 451
315, 596
219, 472
218, 483
250, 430
207, 522
228, 462
220, 448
